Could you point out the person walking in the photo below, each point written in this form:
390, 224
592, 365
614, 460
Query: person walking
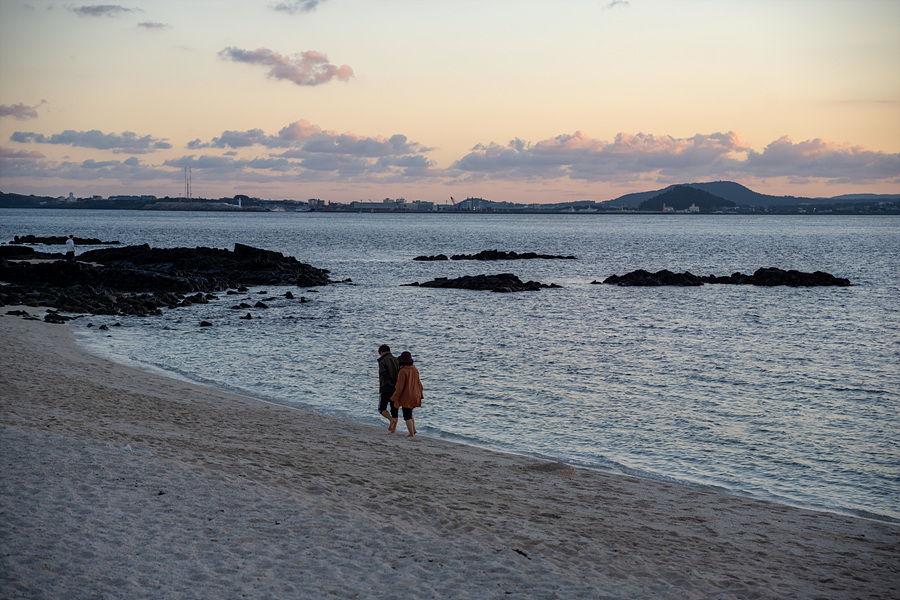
388, 367
408, 392
70, 248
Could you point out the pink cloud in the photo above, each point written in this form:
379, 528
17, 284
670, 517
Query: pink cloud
308, 68
640, 156
299, 130
582, 157
20, 111
822, 159
127, 141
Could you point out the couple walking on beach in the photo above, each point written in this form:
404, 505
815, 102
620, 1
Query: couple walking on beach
399, 387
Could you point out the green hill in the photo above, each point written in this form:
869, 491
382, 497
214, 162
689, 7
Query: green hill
682, 197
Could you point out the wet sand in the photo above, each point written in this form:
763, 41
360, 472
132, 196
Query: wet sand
222, 496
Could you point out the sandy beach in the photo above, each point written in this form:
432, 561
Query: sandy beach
118, 483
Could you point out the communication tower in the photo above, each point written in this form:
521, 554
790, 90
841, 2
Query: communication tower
187, 182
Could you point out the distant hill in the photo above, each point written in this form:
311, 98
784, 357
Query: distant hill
743, 196
865, 198
682, 197
727, 190
22, 201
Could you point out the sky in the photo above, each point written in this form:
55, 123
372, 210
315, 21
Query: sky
527, 101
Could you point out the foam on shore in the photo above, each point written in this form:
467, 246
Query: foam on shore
223, 496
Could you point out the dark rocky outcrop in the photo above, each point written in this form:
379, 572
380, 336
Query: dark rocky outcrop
505, 282
20, 252
494, 255
212, 268
645, 278
143, 280
432, 258
770, 276
59, 240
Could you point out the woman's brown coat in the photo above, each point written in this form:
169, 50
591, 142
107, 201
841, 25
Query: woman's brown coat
408, 392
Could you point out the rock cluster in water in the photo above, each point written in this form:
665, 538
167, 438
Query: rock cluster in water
493, 255
142, 280
504, 282
770, 276
59, 240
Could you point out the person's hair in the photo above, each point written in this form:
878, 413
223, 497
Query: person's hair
384, 348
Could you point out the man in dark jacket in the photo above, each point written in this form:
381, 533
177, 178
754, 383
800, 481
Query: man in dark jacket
388, 367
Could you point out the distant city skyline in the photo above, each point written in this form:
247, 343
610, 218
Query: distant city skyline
525, 101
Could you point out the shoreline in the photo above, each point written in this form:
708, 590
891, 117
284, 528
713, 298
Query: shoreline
242, 496
616, 469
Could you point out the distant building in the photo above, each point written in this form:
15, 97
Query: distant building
388, 205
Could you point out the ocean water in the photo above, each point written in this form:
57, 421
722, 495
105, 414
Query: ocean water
791, 395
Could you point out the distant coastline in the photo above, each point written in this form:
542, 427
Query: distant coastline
720, 197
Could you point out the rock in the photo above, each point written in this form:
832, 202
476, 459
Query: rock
248, 316
645, 278
20, 252
60, 240
52, 317
494, 255
428, 258
505, 282
205, 324
140, 279
260, 304
770, 276
289, 295
773, 276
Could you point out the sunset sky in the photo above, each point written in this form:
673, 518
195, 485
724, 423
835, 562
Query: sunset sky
510, 100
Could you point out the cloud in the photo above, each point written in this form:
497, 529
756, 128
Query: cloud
152, 25
20, 111
302, 138
101, 10
125, 142
297, 6
580, 157
353, 145
308, 68
33, 165
311, 153
234, 139
616, 3
818, 158
632, 157
9, 153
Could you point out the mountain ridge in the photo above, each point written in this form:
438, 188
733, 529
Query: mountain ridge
741, 196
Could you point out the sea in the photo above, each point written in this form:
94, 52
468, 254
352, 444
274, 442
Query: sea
791, 395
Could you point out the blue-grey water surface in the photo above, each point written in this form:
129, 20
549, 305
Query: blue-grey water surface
788, 394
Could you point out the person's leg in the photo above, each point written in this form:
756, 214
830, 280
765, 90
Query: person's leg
410, 423
385, 400
393, 426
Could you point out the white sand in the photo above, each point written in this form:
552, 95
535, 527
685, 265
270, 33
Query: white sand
246, 499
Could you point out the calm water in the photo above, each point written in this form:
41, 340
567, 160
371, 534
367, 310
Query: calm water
785, 394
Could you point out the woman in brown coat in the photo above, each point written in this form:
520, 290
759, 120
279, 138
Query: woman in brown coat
408, 392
